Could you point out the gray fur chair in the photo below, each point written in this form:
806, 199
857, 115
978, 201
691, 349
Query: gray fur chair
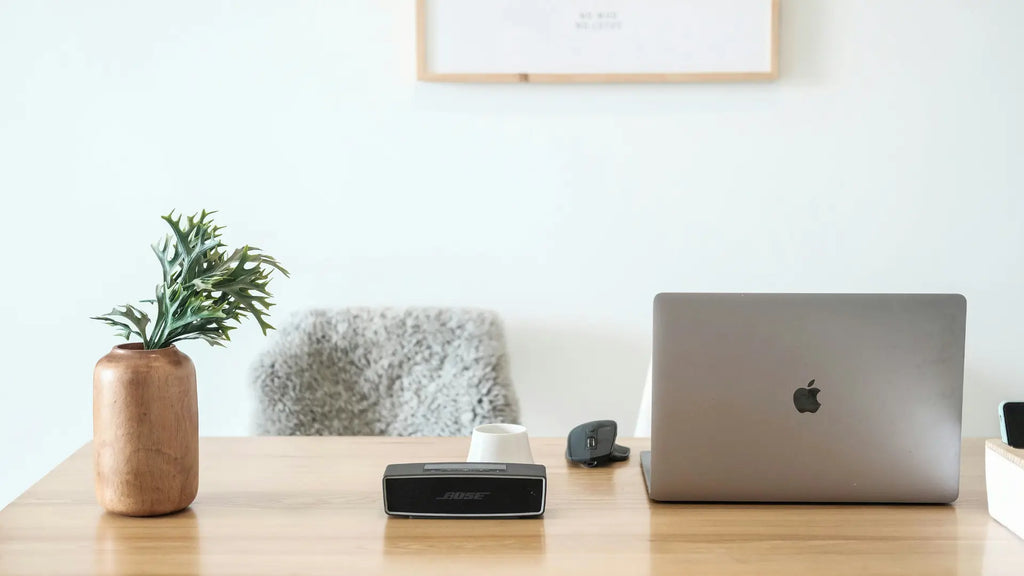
385, 372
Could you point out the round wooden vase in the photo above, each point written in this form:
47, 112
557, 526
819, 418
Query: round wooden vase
145, 425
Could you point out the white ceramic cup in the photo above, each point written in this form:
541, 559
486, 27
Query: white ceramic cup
500, 443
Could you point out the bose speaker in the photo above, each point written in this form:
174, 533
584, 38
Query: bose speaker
465, 490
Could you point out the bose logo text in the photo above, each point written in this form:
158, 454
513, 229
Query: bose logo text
463, 496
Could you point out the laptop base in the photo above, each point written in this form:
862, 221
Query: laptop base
645, 465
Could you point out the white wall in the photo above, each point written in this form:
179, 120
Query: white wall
887, 158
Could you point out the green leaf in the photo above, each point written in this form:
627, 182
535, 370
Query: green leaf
133, 321
205, 290
123, 330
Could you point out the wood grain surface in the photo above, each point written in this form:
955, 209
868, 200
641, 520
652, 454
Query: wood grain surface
145, 418
1015, 455
313, 506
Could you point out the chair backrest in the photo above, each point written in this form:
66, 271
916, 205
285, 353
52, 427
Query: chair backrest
385, 372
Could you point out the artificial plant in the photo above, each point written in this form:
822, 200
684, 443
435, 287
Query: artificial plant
205, 288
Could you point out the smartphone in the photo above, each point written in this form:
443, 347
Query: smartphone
1011, 423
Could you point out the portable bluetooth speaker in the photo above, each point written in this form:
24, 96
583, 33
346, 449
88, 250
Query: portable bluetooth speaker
465, 490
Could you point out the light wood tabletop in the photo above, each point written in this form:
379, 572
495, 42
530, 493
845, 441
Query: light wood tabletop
314, 506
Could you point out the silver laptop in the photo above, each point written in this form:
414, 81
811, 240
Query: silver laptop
806, 397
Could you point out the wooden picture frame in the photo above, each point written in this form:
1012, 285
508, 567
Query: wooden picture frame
572, 29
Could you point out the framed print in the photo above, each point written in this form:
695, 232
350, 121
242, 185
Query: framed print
597, 40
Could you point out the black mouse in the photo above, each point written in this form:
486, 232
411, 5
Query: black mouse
593, 443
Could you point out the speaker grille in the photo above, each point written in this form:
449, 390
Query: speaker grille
453, 495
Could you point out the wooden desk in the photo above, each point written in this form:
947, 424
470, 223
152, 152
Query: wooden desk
313, 506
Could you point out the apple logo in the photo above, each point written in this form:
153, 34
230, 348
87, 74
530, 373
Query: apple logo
806, 399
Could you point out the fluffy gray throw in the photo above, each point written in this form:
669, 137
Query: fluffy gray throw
385, 372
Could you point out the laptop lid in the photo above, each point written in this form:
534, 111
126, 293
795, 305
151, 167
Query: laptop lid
807, 397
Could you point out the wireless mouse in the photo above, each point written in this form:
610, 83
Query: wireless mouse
593, 443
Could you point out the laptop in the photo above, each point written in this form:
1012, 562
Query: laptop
806, 398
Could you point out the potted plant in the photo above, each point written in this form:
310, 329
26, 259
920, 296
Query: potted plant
145, 411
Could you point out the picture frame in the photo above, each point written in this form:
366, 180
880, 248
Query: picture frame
573, 41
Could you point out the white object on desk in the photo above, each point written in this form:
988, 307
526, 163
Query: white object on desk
1004, 482
643, 419
500, 443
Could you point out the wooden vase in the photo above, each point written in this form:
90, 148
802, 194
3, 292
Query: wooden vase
145, 423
